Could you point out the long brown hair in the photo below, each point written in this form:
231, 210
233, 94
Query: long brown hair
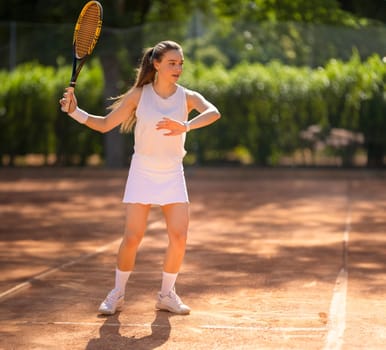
146, 74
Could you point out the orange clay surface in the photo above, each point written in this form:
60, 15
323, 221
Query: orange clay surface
276, 259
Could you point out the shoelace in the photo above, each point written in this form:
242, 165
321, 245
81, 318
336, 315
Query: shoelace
112, 297
174, 296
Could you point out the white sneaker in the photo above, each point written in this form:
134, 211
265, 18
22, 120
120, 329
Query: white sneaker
112, 303
172, 303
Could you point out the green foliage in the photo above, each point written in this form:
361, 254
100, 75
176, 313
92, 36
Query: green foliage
30, 118
293, 43
316, 11
265, 107
244, 51
26, 103
375, 9
372, 110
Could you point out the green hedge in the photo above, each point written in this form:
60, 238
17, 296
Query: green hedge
264, 109
30, 117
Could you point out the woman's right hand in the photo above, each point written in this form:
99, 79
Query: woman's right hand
68, 102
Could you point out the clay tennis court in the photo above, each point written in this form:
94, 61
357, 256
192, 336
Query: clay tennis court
276, 259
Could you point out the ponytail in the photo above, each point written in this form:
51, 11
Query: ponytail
146, 71
146, 74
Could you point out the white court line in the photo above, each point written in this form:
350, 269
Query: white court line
48, 272
267, 328
337, 315
335, 326
204, 326
29, 282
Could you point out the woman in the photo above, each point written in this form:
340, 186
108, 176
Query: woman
159, 108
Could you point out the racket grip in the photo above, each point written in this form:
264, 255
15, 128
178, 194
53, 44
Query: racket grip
66, 107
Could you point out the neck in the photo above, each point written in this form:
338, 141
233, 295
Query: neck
164, 89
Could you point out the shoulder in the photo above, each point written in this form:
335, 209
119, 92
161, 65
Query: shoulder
197, 101
135, 93
189, 92
192, 95
132, 97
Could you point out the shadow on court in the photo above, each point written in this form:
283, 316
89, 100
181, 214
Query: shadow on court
264, 251
110, 336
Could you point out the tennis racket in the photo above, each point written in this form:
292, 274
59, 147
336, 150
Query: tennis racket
86, 34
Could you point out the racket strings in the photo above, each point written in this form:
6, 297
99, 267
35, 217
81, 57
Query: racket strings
88, 30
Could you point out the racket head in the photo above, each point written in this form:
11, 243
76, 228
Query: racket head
87, 29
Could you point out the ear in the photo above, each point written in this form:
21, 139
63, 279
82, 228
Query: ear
156, 64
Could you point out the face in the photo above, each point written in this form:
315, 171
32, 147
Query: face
170, 66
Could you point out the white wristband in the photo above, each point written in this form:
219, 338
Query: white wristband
187, 125
79, 115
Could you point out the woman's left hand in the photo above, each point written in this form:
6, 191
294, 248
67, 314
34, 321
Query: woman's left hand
175, 127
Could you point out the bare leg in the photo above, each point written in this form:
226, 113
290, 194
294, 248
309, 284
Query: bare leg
136, 218
177, 221
136, 221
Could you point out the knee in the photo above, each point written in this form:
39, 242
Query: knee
132, 240
178, 237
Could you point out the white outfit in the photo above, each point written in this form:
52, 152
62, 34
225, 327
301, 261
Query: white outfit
156, 174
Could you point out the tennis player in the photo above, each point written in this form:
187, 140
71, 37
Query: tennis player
157, 107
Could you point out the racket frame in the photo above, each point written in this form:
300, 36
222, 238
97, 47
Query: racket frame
78, 62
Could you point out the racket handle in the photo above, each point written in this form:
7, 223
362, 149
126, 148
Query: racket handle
65, 108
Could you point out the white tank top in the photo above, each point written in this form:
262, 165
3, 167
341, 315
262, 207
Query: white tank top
151, 109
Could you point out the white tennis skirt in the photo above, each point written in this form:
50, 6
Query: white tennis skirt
155, 181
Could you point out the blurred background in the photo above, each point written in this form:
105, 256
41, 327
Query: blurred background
299, 83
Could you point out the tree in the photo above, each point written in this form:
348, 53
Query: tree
117, 14
236, 36
375, 9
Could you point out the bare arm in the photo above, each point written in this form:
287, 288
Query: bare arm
114, 118
208, 114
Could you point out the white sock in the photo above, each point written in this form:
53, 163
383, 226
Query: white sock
168, 282
121, 278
